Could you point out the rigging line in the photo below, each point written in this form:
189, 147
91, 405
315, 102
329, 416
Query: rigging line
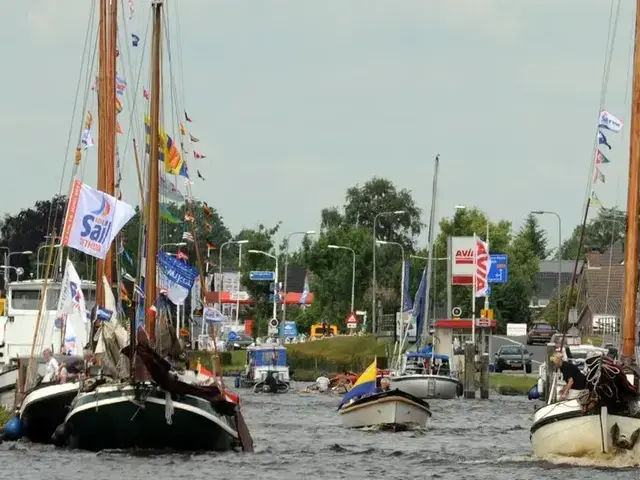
605, 78
180, 54
75, 105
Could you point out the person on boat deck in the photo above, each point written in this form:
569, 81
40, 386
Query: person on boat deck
572, 375
322, 382
71, 369
384, 385
51, 367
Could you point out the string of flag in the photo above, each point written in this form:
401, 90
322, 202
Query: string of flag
610, 123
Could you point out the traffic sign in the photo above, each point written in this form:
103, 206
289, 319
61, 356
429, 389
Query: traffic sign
499, 271
289, 329
456, 312
487, 313
278, 299
352, 320
262, 276
483, 322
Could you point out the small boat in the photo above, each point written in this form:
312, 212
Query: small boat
365, 405
266, 370
427, 375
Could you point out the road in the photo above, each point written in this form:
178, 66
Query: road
539, 351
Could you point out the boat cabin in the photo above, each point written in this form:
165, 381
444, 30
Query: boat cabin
426, 363
263, 359
18, 323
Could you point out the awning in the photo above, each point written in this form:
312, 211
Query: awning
292, 298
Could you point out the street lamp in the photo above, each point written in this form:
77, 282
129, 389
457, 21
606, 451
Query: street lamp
374, 285
8, 262
275, 277
546, 212
286, 269
384, 242
353, 271
173, 244
46, 245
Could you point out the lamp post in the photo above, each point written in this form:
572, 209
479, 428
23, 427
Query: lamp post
8, 262
173, 244
6, 275
374, 285
547, 212
38, 263
275, 278
286, 269
384, 242
239, 243
353, 271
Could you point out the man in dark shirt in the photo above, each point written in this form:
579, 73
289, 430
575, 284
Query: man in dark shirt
571, 374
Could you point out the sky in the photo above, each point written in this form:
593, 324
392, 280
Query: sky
296, 101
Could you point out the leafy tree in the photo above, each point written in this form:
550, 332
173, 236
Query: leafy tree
536, 236
608, 227
550, 313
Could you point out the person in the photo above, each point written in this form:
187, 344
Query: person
384, 385
572, 375
71, 369
322, 382
51, 367
325, 330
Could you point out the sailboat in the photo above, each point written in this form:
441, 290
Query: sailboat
154, 406
606, 416
425, 374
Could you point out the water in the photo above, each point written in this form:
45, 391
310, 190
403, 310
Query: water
301, 435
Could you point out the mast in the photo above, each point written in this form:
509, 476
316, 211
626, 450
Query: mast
432, 218
633, 197
106, 122
152, 194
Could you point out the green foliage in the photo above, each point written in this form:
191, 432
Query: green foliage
550, 313
536, 237
608, 227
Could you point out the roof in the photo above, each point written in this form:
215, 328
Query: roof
602, 289
546, 283
551, 266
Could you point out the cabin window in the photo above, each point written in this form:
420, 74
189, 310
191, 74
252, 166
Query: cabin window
53, 295
25, 299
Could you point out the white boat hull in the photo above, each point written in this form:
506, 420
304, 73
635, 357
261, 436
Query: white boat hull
562, 429
45, 408
427, 386
390, 410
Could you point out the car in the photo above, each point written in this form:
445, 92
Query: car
540, 333
240, 342
512, 357
556, 339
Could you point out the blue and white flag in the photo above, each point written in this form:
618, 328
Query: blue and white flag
104, 314
408, 304
176, 276
602, 140
609, 122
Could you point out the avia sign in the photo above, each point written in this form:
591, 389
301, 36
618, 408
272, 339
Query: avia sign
462, 267
482, 263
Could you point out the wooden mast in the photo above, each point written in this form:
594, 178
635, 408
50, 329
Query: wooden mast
633, 197
152, 194
106, 122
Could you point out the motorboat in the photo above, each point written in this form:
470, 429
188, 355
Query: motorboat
427, 375
266, 370
394, 409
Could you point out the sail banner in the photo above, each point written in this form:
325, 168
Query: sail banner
93, 220
71, 314
418, 303
609, 122
176, 276
481, 264
408, 304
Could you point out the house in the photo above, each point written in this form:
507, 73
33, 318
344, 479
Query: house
600, 290
546, 281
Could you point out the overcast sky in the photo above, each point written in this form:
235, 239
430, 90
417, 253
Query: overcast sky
295, 101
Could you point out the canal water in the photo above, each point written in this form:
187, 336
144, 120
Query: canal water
299, 435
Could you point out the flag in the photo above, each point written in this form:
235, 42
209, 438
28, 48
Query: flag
168, 153
180, 255
365, 384
121, 85
600, 158
86, 140
118, 128
210, 246
598, 176
187, 236
72, 309
132, 9
198, 155
200, 175
89, 121
608, 121
188, 218
481, 262
182, 130
175, 277
193, 139
602, 140
103, 314
135, 39
138, 291
593, 200
186, 117
206, 209
118, 106
167, 215
145, 93
124, 294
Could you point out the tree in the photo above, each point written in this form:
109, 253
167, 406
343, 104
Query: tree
550, 313
536, 236
607, 228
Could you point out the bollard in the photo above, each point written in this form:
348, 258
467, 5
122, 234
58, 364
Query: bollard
469, 370
484, 376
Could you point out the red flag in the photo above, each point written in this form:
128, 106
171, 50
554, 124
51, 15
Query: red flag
186, 117
145, 93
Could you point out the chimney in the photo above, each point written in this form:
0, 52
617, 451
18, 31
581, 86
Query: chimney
594, 258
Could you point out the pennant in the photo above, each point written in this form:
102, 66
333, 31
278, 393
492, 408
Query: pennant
600, 158
206, 209
118, 106
193, 139
132, 9
138, 291
135, 39
186, 117
187, 236
124, 294
182, 130
86, 140
208, 228
188, 218
180, 255
210, 246
608, 121
121, 85
593, 200
198, 155
89, 121
118, 130
200, 175
145, 93
602, 140
598, 177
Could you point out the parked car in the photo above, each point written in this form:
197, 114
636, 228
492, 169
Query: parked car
556, 338
540, 333
512, 357
239, 342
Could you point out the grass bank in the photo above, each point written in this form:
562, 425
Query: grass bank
516, 384
5, 415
